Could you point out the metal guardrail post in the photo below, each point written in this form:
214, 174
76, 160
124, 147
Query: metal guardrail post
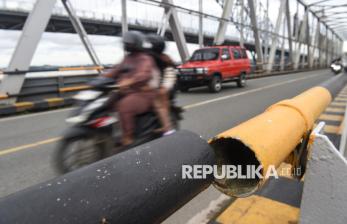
60, 85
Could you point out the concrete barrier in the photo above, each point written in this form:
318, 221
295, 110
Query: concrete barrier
41, 105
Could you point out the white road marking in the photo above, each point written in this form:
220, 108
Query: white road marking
247, 92
34, 114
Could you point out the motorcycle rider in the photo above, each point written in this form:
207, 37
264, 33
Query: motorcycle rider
167, 81
137, 77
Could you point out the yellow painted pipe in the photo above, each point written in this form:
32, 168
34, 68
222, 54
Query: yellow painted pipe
82, 68
74, 88
268, 138
3, 96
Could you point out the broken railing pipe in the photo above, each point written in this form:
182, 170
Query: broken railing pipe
141, 185
267, 139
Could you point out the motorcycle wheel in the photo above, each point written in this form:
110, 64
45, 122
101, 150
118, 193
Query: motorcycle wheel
74, 153
175, 120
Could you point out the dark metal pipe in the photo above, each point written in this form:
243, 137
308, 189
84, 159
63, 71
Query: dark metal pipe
335, 84
141, 185
58, 69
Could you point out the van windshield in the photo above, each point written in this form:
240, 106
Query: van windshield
205, 54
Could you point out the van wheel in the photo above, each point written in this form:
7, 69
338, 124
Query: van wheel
241, 81
215, 84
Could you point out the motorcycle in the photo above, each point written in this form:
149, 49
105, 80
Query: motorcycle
336, 67
95, 132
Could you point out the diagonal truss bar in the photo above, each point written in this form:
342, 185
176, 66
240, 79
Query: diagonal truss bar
274, 37
253, 17
223, 24
77, 24
177, 30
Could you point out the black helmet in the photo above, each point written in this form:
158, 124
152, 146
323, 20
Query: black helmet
133, 41
157, 42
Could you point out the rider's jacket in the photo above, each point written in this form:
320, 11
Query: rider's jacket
141, 68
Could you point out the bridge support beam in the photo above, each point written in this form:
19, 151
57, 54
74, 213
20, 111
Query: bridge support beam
242, 14
275, 37
177, 30
289, 28
34, 27
124, 17
162, 28
326, 46
258, 48
315, 44
223, 24
322, 51
282, 62
300, 40
31, 35
308, 43
201, 31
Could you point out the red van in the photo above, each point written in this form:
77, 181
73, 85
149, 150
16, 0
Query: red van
214, 65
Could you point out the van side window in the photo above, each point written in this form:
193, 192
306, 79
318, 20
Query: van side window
237, 54
225, 51
244, 54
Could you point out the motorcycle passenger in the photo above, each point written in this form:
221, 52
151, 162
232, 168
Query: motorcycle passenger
167, 82
137, 77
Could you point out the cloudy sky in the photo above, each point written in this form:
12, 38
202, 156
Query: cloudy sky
66, 49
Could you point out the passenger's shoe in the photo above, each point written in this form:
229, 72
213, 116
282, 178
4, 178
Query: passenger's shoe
169, 132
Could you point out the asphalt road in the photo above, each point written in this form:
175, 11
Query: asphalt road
27, 142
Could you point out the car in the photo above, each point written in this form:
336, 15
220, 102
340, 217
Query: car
211, 66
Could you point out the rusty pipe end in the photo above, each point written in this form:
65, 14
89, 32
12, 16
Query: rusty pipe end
232, 151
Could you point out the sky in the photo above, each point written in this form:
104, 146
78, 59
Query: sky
66, 49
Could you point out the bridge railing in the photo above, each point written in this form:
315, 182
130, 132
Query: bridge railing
64, 82
51, 83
